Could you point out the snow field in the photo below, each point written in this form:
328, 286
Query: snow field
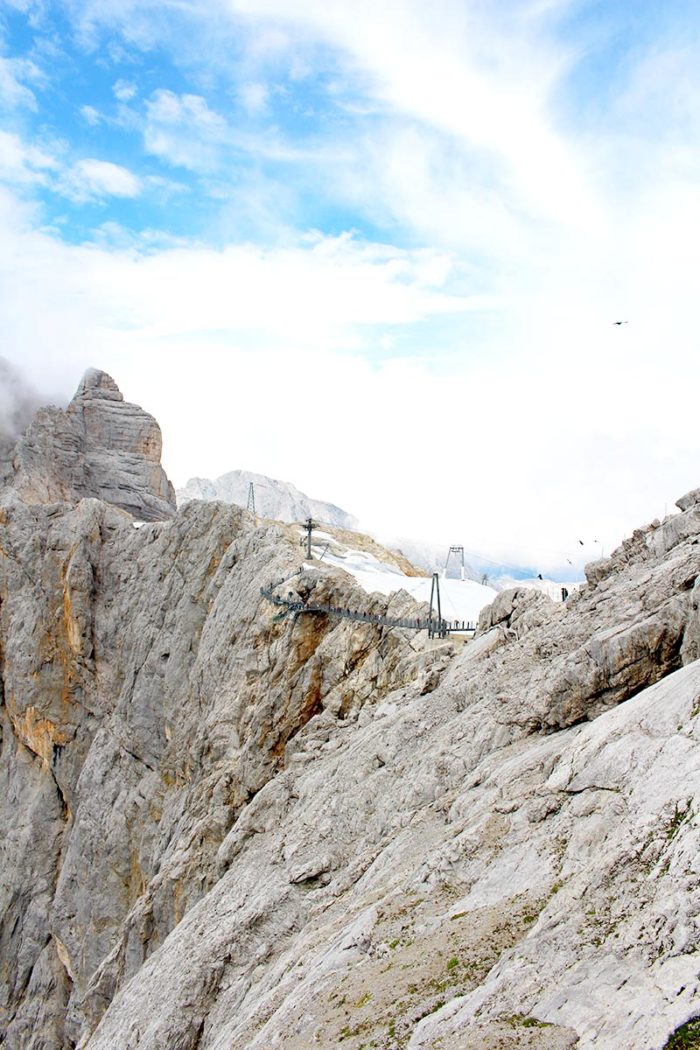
460, 599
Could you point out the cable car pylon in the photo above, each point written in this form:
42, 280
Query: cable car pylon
460, 552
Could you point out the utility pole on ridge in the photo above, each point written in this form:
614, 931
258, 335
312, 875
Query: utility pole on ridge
309, 526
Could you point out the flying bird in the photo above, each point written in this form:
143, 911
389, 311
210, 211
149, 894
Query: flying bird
620, 322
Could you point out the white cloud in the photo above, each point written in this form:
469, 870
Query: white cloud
253, 97
461, 74
21, 164
91, 115
168, 108
183, 130
14, 92
92, 179
264, 354
25, 166
124, 90
515, 430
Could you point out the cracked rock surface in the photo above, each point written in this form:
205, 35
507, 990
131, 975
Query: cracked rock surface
230, 828
149, 693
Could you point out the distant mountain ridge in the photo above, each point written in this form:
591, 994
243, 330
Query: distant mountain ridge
283, 501
273, 498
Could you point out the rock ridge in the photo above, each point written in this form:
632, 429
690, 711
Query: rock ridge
278, 500
230, 828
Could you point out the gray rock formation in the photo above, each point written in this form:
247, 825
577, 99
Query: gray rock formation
279, 500
229, 827
100, 446
158, 695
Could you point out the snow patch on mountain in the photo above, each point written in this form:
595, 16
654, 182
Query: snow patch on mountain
460, 599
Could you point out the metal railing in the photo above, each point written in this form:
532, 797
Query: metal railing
437, 628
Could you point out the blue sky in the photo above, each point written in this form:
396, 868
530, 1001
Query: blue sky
192, 119
418, 221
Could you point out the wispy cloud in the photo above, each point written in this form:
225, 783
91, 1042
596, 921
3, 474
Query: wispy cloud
91, 179
293, 328
15, 76
22, 164
253, 97
91, 116
183, 130
124, 90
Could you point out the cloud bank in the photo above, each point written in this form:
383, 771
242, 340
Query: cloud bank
377, 251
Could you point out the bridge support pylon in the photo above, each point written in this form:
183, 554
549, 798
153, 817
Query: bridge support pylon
435, 628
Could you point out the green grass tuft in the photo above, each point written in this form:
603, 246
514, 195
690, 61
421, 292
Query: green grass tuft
687, 1037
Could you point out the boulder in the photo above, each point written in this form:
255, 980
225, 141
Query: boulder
691, 499
510, 607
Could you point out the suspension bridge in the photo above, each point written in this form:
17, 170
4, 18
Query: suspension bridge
435, 625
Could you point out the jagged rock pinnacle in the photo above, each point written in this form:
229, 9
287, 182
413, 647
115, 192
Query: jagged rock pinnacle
98, 384
101, 446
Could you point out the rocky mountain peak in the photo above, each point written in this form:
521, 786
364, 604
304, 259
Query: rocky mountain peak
279, 500
97, 384
101, 446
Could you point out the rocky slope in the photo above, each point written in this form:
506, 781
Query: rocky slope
279, 500
227, 827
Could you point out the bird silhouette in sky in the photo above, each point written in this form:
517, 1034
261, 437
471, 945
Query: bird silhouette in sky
620, 322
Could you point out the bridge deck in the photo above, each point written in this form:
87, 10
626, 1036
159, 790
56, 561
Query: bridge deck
441, 628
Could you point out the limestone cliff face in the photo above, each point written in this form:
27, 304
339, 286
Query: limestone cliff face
227, 827
148, 695
100, 446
